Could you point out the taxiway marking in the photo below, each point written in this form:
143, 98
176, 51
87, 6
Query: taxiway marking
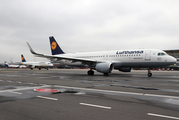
47, 98
15, 92
121, 92
27, 88
164, 116
165, 96
92, 105
97, 90
118, 92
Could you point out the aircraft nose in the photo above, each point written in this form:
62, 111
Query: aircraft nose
173, 60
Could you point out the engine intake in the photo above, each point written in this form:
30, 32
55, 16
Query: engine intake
104, 67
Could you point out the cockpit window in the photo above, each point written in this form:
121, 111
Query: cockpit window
161, 54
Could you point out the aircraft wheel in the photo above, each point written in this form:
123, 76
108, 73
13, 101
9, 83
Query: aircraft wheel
31, 68
90, 72
149, 74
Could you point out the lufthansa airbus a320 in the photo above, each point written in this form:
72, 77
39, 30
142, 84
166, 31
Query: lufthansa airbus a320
106, 61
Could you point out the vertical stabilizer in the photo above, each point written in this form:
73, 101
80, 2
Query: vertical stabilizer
6, 64
23, 58
55, 48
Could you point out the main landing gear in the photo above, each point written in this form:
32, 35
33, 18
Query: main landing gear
149, 73
90, 72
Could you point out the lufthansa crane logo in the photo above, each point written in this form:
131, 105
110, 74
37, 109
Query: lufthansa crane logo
53, 45
22, 58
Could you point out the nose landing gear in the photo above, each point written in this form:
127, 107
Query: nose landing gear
149, 73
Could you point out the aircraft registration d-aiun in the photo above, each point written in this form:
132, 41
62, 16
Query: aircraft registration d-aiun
106, 61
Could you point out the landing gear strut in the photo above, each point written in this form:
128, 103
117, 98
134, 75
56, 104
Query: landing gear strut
149, 73
90, 72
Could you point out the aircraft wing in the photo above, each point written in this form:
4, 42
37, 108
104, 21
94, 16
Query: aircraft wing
61, 56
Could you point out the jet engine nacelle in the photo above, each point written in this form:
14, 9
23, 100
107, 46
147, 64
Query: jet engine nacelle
104, 67
125, 69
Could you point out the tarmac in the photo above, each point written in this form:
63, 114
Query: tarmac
72, 94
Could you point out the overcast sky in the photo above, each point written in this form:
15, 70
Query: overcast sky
86, 25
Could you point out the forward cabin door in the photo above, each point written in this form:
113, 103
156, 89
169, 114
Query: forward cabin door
148, 55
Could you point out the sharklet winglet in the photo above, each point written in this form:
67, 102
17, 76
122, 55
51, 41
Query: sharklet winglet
31, 50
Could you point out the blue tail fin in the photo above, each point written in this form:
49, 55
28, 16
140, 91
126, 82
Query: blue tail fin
55, 48
6, 64
23, 58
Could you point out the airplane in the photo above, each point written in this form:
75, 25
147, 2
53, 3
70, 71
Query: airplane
33, 65
106, 61
14, 66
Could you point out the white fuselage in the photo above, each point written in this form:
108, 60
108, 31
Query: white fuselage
125, 58
37, 64
14, 66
